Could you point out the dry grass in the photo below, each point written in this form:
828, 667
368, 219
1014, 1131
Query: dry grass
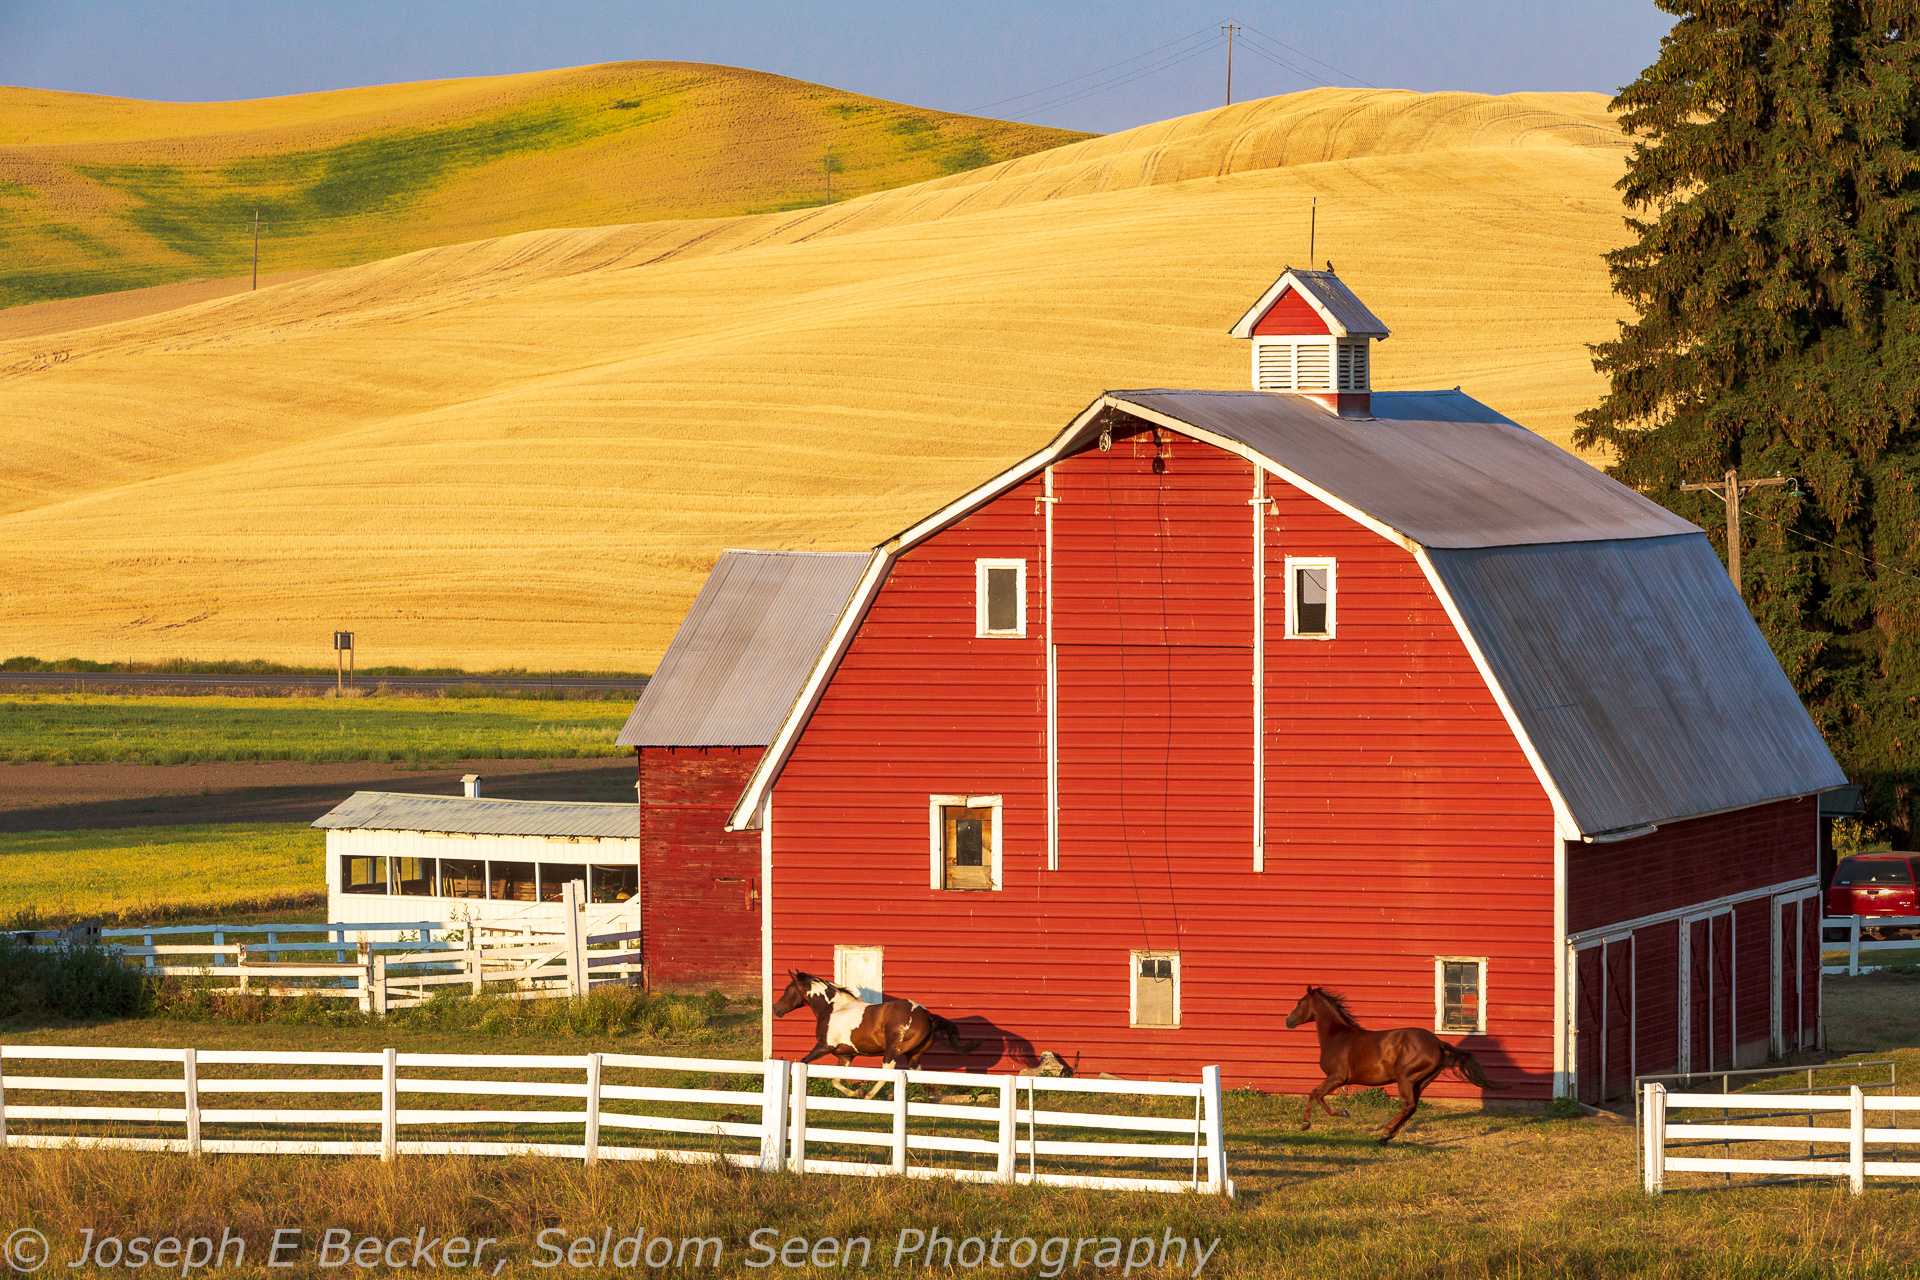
107, 193
528, 451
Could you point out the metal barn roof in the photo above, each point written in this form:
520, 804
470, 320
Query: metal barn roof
461, 815
1639, 677
1329, 295
1438, 467
745, 649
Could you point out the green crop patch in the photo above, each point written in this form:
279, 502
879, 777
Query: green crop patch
78, 729
137, 872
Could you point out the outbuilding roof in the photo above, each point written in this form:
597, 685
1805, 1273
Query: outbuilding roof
1623, 659
480, 816
744, 649
1345, 314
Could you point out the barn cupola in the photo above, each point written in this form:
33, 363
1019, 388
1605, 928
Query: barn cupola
1312, 337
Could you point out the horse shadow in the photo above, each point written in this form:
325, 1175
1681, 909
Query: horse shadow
997, 1050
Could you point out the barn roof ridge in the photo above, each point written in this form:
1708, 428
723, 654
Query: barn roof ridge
1470, 493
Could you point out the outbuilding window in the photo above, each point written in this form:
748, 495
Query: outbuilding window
965, 837
1154, 1000
1460, 994
1000, 597
363, 875
1310, 599
414, 877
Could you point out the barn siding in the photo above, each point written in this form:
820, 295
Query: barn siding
1289, 314
699, 883
1697, 860
1403, 821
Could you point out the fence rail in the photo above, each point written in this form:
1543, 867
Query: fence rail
1007, 1145
1850, 1161
1851, 927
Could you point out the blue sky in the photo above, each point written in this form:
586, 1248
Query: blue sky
1115, 65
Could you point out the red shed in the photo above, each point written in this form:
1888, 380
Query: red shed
1226, 692
719, 694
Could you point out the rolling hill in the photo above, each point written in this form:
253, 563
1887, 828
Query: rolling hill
527, 450
101, 194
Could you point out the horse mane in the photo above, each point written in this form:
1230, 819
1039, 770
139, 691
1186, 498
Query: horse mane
806, 979
1339, 1003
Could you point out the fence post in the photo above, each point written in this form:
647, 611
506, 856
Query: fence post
773, 1114
379, 983
1216, 1132
1005, 1172
340, 945
389, 1104
1853, 949
3, 1097
797, 1108
477, 966
593, 1109
273, 947
1857, 1141
240, 959
190, 1086
1653, 1111
219, 940
146, 940
573, 930
900, 1122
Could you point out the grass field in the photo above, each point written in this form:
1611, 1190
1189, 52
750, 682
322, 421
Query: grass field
1460, 1194
99, 194
529, 450
147, 873
136, 729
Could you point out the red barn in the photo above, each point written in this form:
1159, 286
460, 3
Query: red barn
715, 701
1223, 693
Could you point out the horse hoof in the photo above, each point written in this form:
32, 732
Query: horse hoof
1384, 1141
1346, 1115
1305, 1127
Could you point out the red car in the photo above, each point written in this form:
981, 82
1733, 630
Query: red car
1874, 884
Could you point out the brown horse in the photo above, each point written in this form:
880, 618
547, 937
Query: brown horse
896, 1031
1409, 1057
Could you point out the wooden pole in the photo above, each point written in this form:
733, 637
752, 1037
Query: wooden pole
1728, 491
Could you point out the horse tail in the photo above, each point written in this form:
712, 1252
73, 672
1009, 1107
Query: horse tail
1467, 1067
945, 1029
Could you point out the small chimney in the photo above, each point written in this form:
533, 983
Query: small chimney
1312, 337
470, 786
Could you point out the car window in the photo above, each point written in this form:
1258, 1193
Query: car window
1874, 871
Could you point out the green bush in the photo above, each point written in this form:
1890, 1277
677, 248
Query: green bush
67, 982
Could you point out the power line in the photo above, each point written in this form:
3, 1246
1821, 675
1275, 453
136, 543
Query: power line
1866, 560
1310, 58
1121, 80
974, 111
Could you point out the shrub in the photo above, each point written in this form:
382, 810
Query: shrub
67, 982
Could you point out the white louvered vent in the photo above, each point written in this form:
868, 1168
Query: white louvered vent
1313, 368
1353, 366
1275, 370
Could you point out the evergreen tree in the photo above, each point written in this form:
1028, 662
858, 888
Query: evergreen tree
1776, 275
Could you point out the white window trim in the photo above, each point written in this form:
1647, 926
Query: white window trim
842, 950
936, 835
1440, 964
1133, 989
980, 568
1333, 594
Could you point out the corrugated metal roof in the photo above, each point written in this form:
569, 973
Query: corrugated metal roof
1329, 290
483, 816
1639, 677
1437, 466
745, 649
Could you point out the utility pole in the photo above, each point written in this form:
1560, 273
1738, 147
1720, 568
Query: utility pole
1230, 28
1313, 226
256, 248
1729, 491
829, 173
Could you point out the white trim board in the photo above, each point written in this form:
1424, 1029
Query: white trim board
1691, 909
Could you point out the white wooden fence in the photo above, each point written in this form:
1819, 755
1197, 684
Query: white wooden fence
1009, 1146
1855, 944
1848, 1142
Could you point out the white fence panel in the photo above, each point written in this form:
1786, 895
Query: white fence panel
779, 1092
1851, 1137
1856, 944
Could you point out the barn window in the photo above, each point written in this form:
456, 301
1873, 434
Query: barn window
1460, 994
615, 884
1310, 598
363, 875
511, 881
1000, 597
463, 878
858, 970
414, 877
965, 839
1154, 999
555, 874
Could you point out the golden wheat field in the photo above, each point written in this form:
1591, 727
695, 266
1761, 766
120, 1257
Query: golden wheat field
101, 193
527, 450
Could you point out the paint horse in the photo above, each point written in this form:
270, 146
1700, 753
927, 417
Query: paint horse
1409, 1057
896, 1031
